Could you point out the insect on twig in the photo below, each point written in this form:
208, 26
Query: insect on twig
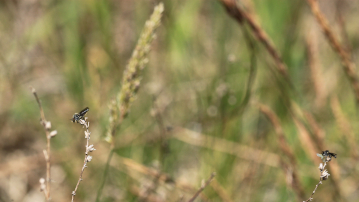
78, 116
326, 156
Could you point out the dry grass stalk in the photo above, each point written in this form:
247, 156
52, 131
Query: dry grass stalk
220, 190
306, 140
279, 131
204, 185
132, 165
222, 145
46, 188
317, 130
344, 126
339, 15
233, 148
348, 64
315, 70
241, 16
290, 170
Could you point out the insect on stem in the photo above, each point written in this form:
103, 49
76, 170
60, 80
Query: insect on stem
79, 116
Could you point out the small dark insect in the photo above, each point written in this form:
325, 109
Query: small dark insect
329, 154
326, 156
78, 116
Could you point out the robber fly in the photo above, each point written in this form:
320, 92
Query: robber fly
326, 155
78, 116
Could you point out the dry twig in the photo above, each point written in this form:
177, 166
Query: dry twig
204, 185
47, 126
323, 172
88, 158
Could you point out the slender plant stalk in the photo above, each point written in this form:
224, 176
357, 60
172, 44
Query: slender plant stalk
88, 158
204, 185
240, 15
47, 126
107, 167
251, 77
323, 174
348, 64
286, 150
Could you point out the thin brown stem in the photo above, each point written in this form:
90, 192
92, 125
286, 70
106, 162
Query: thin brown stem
287, 151
47, 127
202, 187
89, 148
319, 183
240, 15
348, 64
341, 22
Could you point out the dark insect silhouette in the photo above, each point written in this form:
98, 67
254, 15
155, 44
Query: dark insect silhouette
326, 156
329, 154
79, 116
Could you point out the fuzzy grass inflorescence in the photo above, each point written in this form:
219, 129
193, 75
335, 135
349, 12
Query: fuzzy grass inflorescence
130, 83
131, 78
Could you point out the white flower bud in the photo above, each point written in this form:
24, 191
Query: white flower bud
48, 125
42, 184
53, 133
87, 134
89, 158
91, 148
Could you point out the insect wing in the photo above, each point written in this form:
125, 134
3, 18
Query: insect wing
84, 111
333, 155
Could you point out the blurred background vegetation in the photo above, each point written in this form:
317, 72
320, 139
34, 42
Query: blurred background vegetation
211, 100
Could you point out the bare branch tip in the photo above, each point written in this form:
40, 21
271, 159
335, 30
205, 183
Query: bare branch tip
32, 89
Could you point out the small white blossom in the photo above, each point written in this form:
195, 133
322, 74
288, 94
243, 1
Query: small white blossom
325, 175
87, 134
53, 133
91, 148
42, 184
48, 125
89, 158
82, 122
